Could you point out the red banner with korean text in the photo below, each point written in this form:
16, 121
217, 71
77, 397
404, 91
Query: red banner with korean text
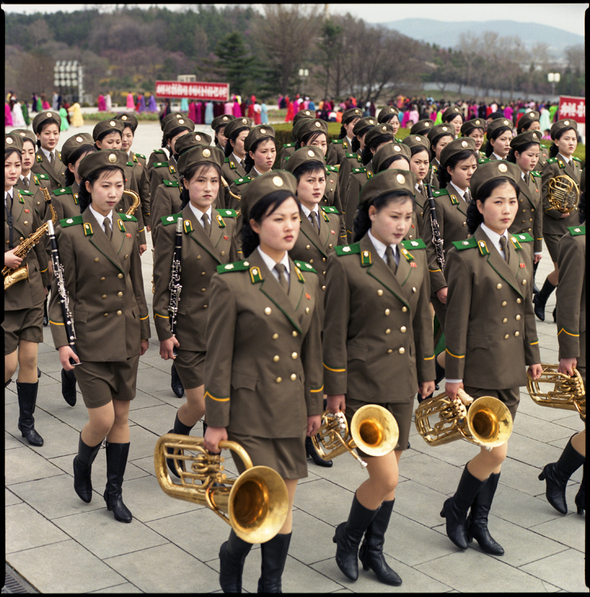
194, 90
572, 107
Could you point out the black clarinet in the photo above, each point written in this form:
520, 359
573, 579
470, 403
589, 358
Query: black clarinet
64, 299
437, 241
175, 286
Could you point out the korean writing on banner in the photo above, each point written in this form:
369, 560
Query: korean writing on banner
572, 107
196, 90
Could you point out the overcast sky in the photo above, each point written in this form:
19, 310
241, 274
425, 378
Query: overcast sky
569, 17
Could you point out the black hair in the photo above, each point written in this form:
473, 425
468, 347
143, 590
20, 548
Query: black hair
553, 150
189, 173
362, 221
444, 177
248, 160
356, 144
367, 154
394, 158
474, 217
308, 167
164, 141
417, 149
309, 139
45, 123
512, 158
176, 131
494, 135
228, 146
250, 239
84, 197
104, 134
435, 142
10, 150
452, 117
582, 207
84, 149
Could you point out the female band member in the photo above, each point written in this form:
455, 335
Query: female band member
490, 336
499, 135
530, 121
236, 132
439, 136
263, 371
261, 150
46, 125
419, 161
208, 240
475, 129
390, 115
454, 117
102, 274
377, 350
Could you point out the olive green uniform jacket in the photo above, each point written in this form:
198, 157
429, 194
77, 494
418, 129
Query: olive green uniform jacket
65, 201
56, 175
490, 329
37, 183
166, 201
263, 369
529, 217
378, 337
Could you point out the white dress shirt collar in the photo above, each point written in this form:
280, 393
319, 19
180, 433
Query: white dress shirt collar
100, 218
381, 248
495, 238
199, 214
270, 262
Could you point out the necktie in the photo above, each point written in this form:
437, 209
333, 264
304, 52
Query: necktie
26, 182
467, 196
52, 159
527, 178
391, 259
314, 222
206, 224
421, 188
107, 228
504, 245
282, 277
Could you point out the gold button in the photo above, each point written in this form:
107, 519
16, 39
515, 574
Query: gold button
523, 221
504, 303
105, 314
222, 253
403, 329
307, 309
294, 355
530, 219
104, 296
293, 376
402, 350
404, 309
279, 379
294, 332
414, 289
126, 256
390, 351
518, 318
387, 311
25, 222
506, 336
505, 320
119, 294
203, 273
198, 257
311, 261
203, 290
103, 279
276, 358
517, 334
307, 246
324, 287
523, 210
523, 282
380, 292
96, 259
119, 312
204, 306
519, 301
275, 336
498, 286
268, 311
464, 223
532, 209
388, 331
119, 275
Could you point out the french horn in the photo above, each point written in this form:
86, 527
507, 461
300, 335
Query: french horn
373, 429
485, 421
256, 504
563, 193
559, 390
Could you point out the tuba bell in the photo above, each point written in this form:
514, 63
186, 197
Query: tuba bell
486, 421
563, 193
256, 504
560, 390
373, 429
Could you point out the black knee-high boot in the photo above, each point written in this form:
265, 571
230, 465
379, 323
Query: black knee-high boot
581, 495
83, 468
371, 551
274, 556
535, 266
540, 299
113, 494
68, 386
558, 473
478, 518
232, 555
181, 429
455, 508
348, 537
27, 400
175, 382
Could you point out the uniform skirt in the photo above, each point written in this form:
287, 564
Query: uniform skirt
552, 242
287, 456
510, 397
190, 365
402, 411
102, 382
24, 324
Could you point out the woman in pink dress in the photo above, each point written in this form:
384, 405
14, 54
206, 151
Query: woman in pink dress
289, 117
7, 115
101, 103
192, 111
130, 104
236, 108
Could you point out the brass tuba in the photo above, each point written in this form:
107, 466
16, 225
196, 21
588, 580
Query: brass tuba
487, 422
136, 201
563, 193
567, 392
373, 429
255, 504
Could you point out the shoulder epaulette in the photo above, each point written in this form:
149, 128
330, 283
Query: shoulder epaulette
228, 213
332, 168
577, 159
172, 169
160, 165
289, 144
439, 193
551, 161
433, 167
340, 142
329, 209
171, 183
244, 179
135, 160
348, 249
39, 159
128, 218
414, 244
359, 170
23, 192
62, 191
231, 163
71, 221
577, 230
129, 163
236, 266
523, 237
171, 219
43, 176
536, 173
454, 199
140, 155
158, 151
470, 243
483, 160
304, 266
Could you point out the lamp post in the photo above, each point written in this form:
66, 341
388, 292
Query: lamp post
303, 73
553, 78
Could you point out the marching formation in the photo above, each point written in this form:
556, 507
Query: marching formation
337, 288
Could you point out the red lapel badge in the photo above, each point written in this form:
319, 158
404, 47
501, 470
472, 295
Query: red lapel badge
522, 265
225, 238
128, 235
26, 211
307, 296
333, 231
413, 264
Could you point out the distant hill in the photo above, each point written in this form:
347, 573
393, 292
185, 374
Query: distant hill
447, 34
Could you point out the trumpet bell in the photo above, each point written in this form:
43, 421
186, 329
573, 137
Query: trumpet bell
374, 430
563, 193
489, 421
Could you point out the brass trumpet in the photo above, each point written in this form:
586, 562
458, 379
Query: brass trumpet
563, 193
567, 392
255, 504
487, 422
373, 429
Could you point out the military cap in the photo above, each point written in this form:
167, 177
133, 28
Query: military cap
13, 141
200, 154
456, 146
303, 155
416, 140
387, 151
171, 116
562, 125
381, 129
175, 125
525, 139
99, 160
237, 125
302, 114
104, 127
26, 134
258, 132
43, 116
497, 124
311, 126
191, 140
221, 120
128, 119
450, 113
438, 131
363, 124
496, 114
528, 118
351, 114
471, 125
73, 144
387, 113
261, 186
387, 182
489, 171
422, 127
